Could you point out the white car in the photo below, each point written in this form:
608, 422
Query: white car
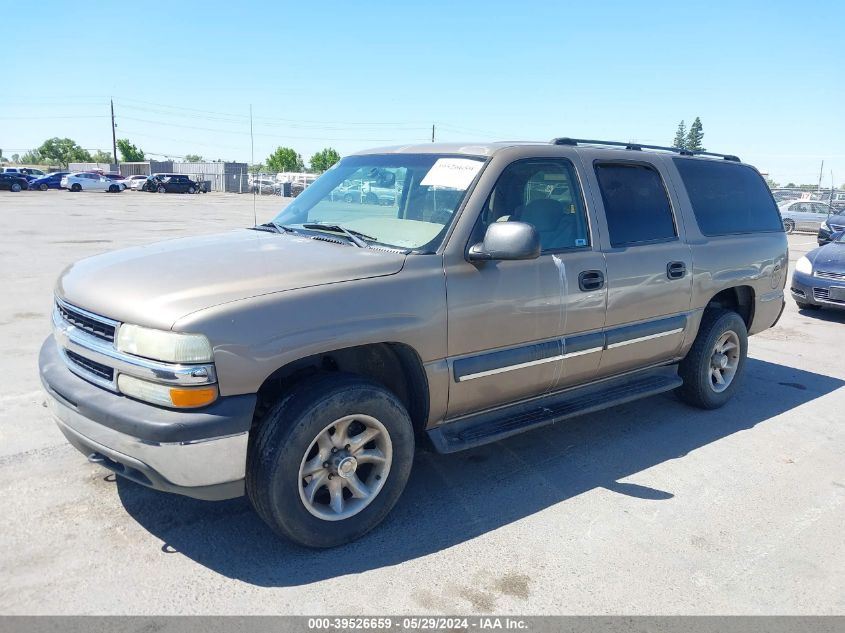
133, 182
90, 182
804, 215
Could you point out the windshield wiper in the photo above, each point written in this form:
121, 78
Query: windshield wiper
354, 236
272, 227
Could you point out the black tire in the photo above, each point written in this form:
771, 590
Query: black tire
807, 306
76, 187
191, 190
43, 187
161, 189
16, 187
371, 198
284, 436
695, 369
789, 225
113, 188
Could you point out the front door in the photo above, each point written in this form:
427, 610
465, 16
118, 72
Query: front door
508, 320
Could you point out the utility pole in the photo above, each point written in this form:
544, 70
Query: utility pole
113, 133
821, 171
432, 132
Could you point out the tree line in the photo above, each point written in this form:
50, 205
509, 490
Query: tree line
691, 139
63, 151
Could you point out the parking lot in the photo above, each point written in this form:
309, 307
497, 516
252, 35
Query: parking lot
647, 508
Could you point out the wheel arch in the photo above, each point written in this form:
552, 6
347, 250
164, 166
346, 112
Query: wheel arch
396, 366
740, 299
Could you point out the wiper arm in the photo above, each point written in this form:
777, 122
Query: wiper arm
354, 236
272, 227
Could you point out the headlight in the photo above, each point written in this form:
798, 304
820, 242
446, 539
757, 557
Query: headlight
165, 395
163, 345
803, 265
825, 225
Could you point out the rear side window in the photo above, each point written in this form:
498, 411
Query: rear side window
728, 198
635, 204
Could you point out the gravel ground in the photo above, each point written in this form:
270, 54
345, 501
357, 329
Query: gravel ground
647, 508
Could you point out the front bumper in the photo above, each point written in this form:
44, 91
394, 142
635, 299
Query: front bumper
815, 290
199, 453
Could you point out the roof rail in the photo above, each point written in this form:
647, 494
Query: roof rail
639, 146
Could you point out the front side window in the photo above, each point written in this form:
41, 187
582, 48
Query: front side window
543, 192
404, 201
635, 203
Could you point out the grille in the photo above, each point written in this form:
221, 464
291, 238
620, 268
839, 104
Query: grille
829, 275
97, 328
93, 367
837, 227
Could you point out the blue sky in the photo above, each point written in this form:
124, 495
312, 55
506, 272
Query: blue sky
767, 79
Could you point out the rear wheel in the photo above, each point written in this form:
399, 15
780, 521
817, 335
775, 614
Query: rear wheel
789, 225
43, 187
330, 460
161, 189
713, 367
191, 190
76, 187
16, 187
113, 188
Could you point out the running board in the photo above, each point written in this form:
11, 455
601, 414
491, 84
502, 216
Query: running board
492, 426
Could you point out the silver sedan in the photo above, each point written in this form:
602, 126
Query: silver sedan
804, 215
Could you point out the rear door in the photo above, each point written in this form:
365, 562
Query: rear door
649, 281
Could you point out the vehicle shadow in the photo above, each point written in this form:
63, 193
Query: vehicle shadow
453, 498
828, 314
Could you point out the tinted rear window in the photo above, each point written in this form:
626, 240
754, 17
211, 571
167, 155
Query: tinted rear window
728, 198
635, 204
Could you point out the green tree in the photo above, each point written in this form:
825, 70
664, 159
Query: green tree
285, 159
772, 184
680, 136
695, 136
102, 157
193, 158
32, 157
324, 159
256, 169
128, 152
61, 151
16, 158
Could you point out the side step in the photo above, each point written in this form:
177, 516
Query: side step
492, 426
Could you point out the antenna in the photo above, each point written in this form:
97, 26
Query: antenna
252, 163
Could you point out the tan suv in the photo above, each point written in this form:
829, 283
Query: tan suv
505, 287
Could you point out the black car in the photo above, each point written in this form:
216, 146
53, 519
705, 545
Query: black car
13, 182
819, 277
833, 224
170, 183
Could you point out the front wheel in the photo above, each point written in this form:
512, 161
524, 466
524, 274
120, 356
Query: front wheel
43, 187
15, 187
713, 367
162, 189
76, 187
191, 190
789, 225
330, 460
113, 188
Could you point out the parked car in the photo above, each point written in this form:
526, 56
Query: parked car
30, 171
170, 183
85, 181
300, 361
13, 182
819, 277
804, 215
833, 224
50, 181
134, 182
265, 186
116, 178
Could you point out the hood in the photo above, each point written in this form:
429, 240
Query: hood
830, 257
157, 284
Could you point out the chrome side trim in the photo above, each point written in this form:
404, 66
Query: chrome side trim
500, 370
640, 339
592, 350
72, 338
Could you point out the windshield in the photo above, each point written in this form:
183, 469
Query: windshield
405, 201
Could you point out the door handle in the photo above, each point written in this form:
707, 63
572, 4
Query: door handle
676, 270
590, 280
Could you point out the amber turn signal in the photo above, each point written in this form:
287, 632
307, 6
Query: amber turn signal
196, 397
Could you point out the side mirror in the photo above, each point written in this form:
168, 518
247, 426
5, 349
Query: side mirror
507, 241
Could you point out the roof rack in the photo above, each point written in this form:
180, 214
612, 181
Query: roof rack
640, 147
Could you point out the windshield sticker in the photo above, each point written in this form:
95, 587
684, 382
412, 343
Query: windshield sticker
454, 173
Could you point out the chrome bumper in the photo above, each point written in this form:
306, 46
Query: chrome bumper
206, 469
